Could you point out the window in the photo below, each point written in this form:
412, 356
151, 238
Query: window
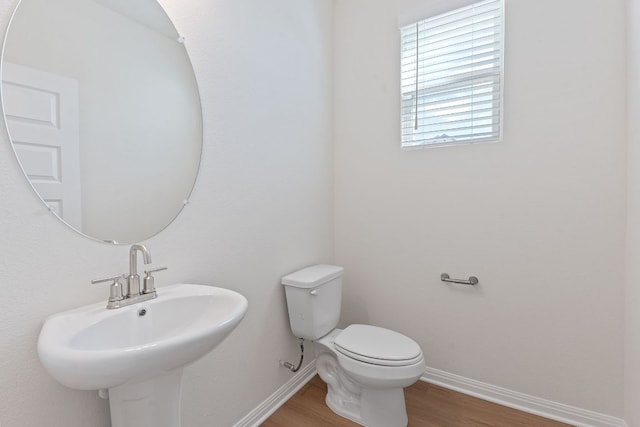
451, 77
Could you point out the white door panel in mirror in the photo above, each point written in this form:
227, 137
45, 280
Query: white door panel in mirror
42, 119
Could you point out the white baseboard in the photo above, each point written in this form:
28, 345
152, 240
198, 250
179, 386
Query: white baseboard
277, 399
520, 401
523, 402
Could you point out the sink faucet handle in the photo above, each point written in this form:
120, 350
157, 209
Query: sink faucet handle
116, 293
148, 285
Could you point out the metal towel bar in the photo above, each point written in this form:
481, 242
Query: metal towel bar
473, 280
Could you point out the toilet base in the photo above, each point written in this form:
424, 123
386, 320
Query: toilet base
370, 407
379, 408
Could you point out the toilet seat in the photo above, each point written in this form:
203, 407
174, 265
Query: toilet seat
377, 346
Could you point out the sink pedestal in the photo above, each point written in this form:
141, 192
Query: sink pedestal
150, 403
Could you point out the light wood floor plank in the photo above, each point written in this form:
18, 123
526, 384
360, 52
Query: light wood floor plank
427, 405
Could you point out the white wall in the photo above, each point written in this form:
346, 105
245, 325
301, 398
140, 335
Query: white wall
632, 295
539, 217
262, 207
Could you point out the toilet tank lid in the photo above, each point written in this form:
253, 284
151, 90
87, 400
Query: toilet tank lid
313, 276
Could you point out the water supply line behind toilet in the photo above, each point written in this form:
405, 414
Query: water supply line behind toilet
290, 366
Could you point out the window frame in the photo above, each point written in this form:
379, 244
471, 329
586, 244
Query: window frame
458, 85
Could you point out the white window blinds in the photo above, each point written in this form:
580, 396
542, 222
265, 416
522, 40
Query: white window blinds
451, 76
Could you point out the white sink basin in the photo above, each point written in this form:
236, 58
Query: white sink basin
94, 348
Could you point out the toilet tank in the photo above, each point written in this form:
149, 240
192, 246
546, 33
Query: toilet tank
314, 298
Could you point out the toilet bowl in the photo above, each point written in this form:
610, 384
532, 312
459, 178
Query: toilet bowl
365, 367
370, 394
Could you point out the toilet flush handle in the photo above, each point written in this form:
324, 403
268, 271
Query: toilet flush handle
313, 292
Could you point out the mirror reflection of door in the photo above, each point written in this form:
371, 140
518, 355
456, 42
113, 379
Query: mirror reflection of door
140, 121
42, 118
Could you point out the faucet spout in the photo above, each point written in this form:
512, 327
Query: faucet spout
133, 258
134, 279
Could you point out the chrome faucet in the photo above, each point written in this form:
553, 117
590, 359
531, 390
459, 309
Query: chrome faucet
118, 297
133, 280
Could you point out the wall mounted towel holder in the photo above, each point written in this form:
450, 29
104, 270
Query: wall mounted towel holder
473, 280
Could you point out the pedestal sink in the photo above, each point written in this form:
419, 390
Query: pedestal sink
138, 352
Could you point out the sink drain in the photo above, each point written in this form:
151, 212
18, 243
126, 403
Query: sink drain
142, 312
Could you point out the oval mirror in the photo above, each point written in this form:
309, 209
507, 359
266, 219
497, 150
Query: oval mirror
103, 112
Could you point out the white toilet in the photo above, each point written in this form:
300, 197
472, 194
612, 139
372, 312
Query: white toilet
365, 367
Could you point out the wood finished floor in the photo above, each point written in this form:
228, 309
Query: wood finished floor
427, 405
